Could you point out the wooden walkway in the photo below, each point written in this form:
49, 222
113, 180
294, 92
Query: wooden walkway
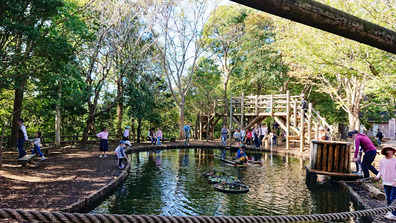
300, 125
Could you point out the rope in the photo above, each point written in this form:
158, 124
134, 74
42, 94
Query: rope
42, 216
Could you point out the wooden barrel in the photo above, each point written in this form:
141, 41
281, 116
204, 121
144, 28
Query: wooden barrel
331, 156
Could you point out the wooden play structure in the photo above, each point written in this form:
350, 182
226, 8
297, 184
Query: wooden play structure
300, 125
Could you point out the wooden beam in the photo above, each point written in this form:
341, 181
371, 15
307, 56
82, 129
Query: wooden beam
302, 132
287, 119
242, 110
324, 17
309, 122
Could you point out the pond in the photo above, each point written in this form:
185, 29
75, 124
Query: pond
170, 182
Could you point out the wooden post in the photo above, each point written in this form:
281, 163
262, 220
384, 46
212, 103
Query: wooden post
272, 105
316, 130
295, 111
214, 106
256, 105
200, 125
242, 110
309, 122
229, 130
287, 119
207, 128
302, 131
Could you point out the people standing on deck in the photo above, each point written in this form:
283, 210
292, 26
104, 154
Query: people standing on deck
257, 134
379, 136
186, 130
237, 137
369, 152
263, 134
36, 145
387, 171
224, 133
104, 145
22, 137
125, 136
249, 137
151, 135
159, 136
243, 135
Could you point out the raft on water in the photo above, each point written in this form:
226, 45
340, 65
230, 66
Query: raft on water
233, 188
223, 179
215, 173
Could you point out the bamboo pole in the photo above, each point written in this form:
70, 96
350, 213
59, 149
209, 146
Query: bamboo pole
287, 120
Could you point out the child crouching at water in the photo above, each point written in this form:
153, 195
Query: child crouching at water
120, 154
387, 171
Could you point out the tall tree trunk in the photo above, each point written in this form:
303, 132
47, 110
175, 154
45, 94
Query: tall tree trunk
133, 130
181, 117
58, 117
120, 114
90, 122
139, 130
18, 99
225, 112
354, 121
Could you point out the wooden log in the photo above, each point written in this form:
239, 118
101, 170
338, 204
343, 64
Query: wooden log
336, 158
319, 159
330, 159
324, 157
374, 192
324, 17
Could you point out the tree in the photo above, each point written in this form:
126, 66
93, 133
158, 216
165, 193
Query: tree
343, 69
180, 48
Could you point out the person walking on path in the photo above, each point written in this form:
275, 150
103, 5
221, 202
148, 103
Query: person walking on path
263, 134
151, 136
22, 137
125, 136
186, 130
224, 133
120, 152
104, 145
387, 171
243, 135
36, 145
159, 136
369, 152
379, 136
257, 134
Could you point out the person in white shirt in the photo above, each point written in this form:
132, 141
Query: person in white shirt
243, 135
264, 133
125, 136
36, 142
22, 137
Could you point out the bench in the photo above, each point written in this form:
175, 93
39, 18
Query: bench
46, 149
26, 159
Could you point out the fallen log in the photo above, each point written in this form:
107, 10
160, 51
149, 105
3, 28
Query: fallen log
374, 192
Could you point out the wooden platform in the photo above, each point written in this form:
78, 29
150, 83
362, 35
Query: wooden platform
24, 160
332, 174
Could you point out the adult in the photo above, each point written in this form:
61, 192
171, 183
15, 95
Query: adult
256, 135
151, 135
186, 130
304, 105
224, 133
22, 137
361, 140
263, 134
379, 136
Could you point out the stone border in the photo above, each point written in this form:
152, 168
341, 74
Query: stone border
359, 201
98, 195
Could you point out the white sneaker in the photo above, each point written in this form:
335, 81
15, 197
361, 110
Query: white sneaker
104, 156
100, 156
388, 214
42, 158
390, 217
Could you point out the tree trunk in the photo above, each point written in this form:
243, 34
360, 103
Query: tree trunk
354, 121
120, 114
225, 111
90, 122
58, 117
181, 117
139, 130
133, 130
18, 99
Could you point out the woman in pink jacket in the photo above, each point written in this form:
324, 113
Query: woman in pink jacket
159, 136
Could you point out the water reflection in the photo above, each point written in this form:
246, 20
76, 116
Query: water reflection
170, 182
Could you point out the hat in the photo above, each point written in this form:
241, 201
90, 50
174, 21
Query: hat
127, 127
383, 150
21, 120
122, 142
243, 147
352, 132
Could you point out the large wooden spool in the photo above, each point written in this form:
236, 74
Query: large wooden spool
331, 156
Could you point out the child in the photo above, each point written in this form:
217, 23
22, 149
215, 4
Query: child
126, 134
243, 135
120, 154
274, 139
241, 155
387, 170
224, 133
249, 137
104, 146
359, 163
36, 145
237, 137
322, 134
151, 136
159, 136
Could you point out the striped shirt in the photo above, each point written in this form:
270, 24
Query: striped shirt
365, 142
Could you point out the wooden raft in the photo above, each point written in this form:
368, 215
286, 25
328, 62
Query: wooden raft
331, 156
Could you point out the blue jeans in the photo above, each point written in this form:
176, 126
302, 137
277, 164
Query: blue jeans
257, 141
159, 141
152, 140
36, 149
390, 193
242, 140
223, 139
379, 141
21, 151
368, 158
